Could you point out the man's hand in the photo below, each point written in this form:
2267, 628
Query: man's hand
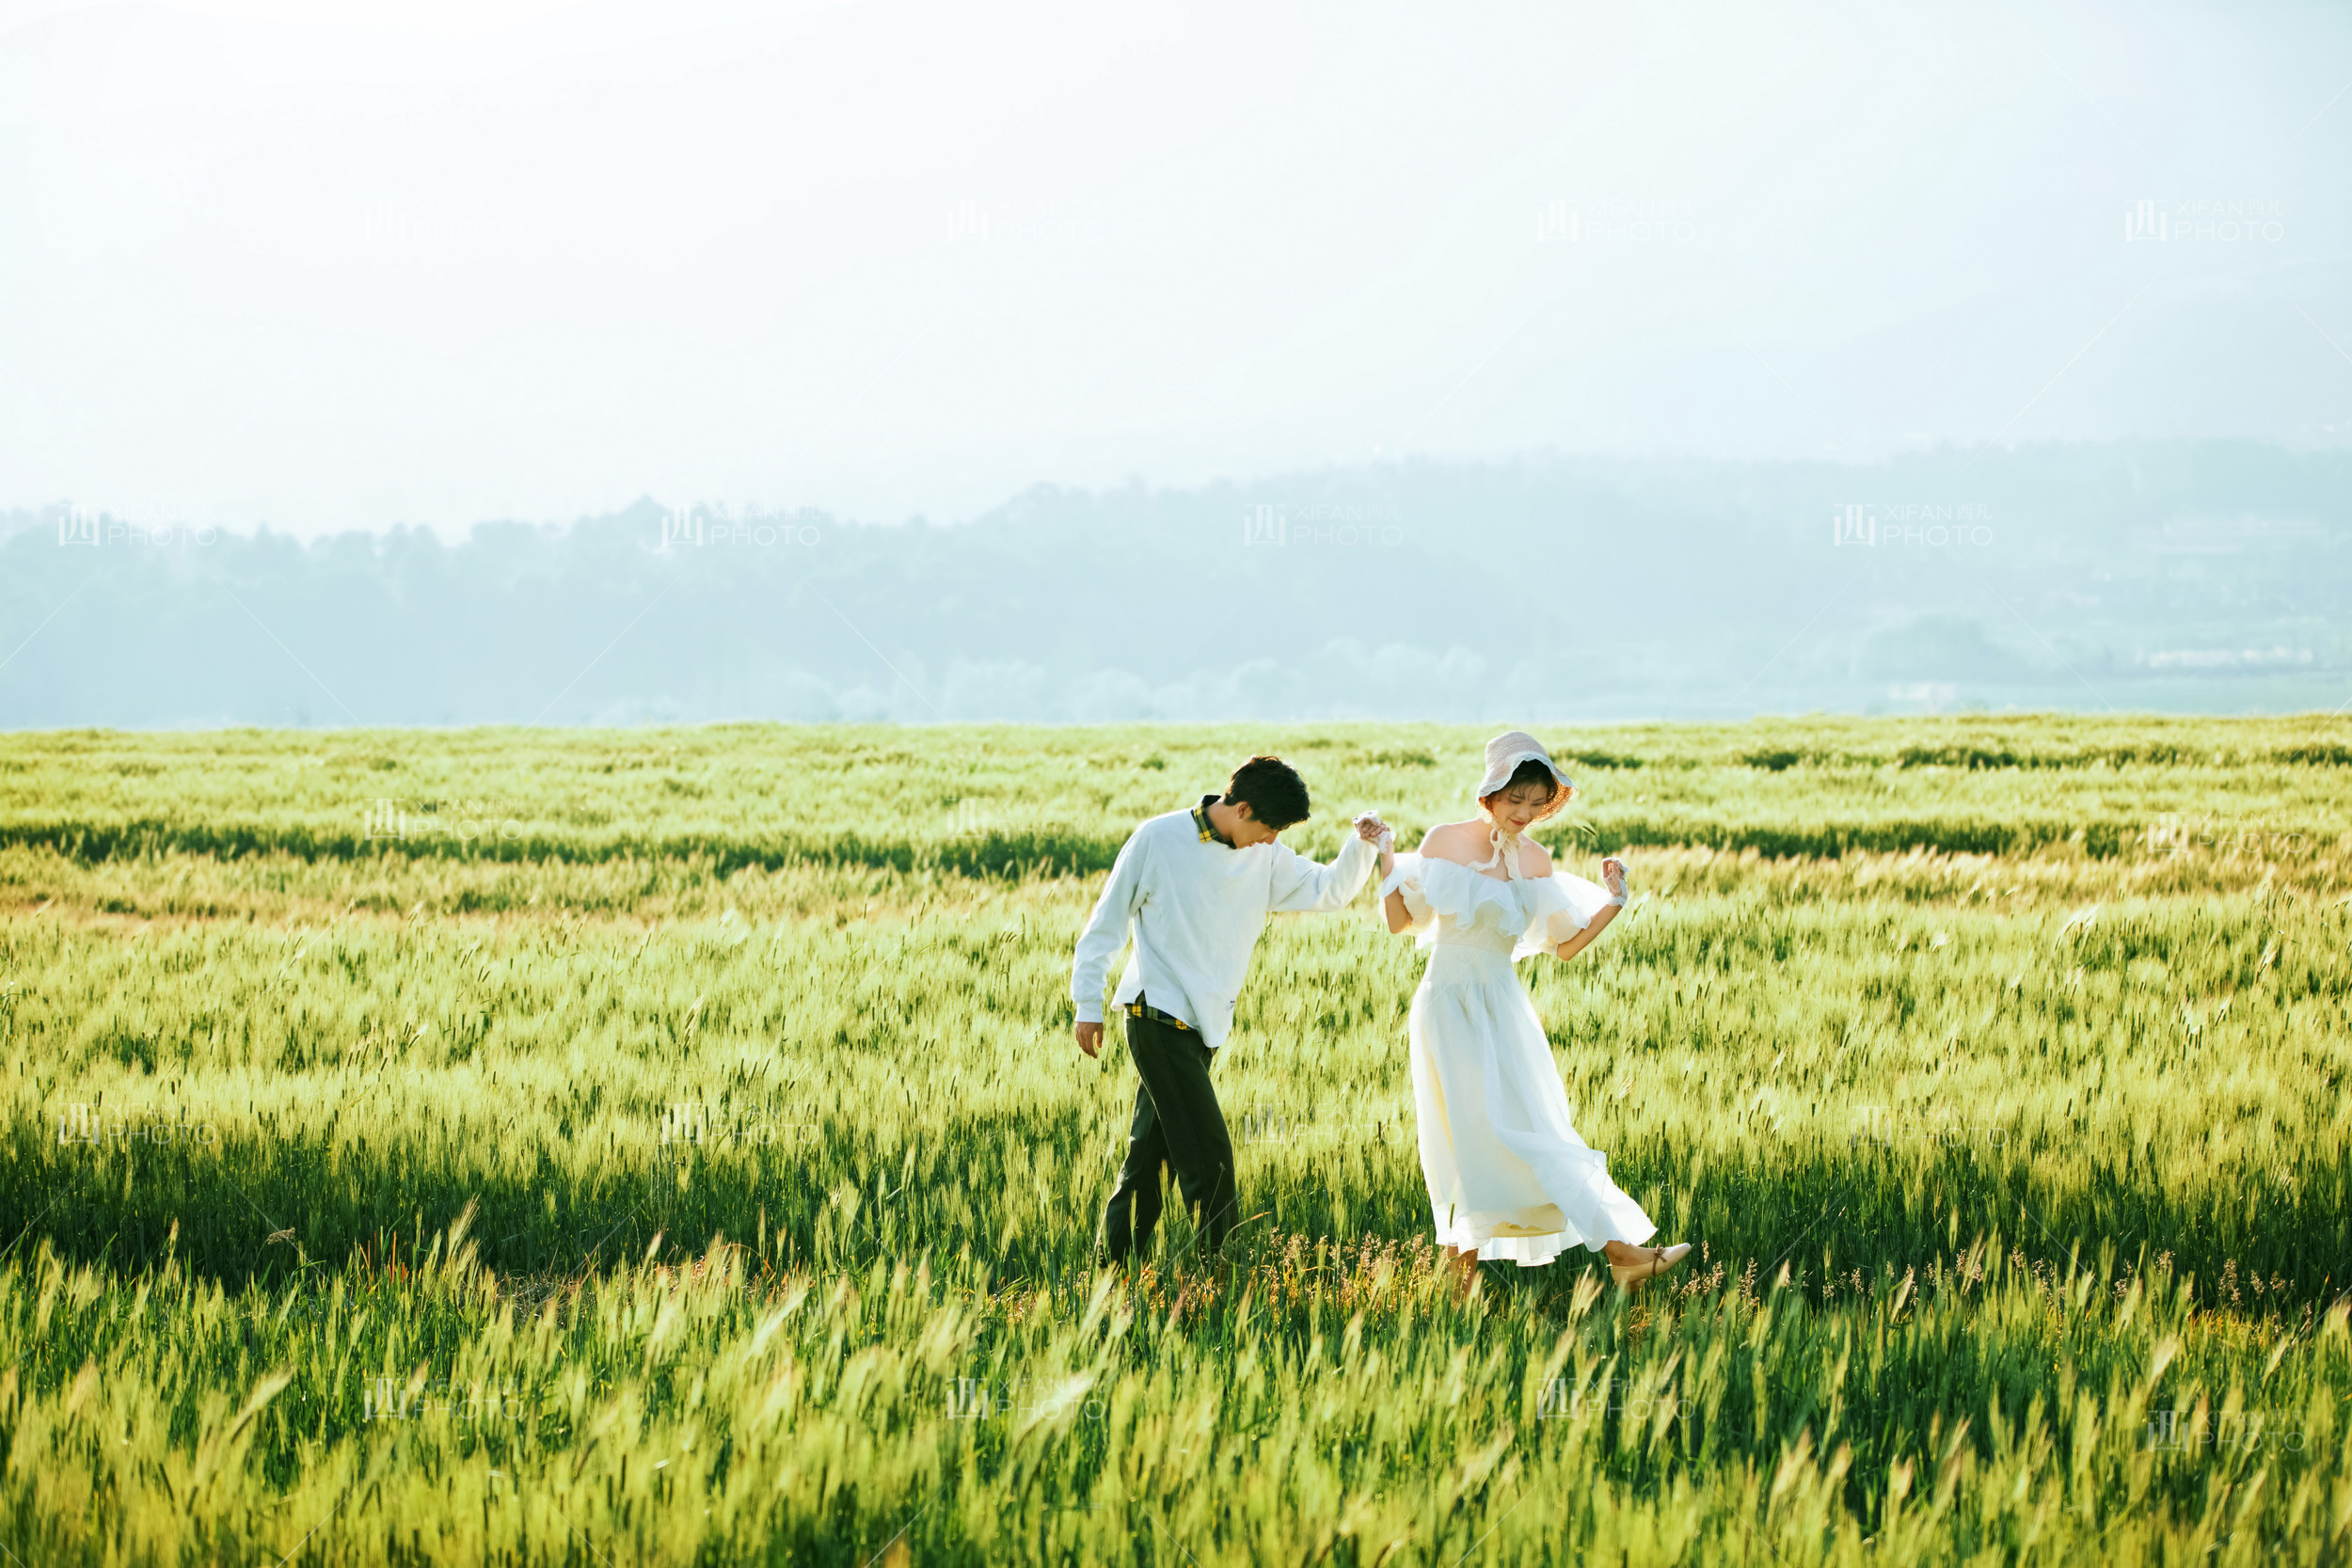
1090, 1037
1371, 829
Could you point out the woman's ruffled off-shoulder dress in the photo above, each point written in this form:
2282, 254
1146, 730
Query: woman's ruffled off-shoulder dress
1508, 1176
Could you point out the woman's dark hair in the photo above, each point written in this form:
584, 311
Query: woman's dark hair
1533, 775
1275, 794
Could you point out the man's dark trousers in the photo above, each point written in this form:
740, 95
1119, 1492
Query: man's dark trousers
1176, 1121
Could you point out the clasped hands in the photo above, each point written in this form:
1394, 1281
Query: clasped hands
1373, 830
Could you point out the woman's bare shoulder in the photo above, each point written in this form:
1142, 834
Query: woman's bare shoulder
1459, 842
1536, 862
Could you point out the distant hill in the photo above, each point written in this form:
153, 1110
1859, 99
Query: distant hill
2175, 576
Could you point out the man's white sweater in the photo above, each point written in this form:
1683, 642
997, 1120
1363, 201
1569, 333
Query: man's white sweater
1195, 907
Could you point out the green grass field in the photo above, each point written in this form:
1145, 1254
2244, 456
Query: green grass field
666, 1146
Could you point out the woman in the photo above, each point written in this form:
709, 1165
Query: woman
1508, 1176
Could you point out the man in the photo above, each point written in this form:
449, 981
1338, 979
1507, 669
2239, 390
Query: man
1195, 887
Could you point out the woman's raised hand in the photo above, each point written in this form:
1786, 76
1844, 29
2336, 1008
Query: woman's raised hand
1373, 830
1612, 875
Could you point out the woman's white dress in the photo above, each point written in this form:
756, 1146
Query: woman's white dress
1508, 1176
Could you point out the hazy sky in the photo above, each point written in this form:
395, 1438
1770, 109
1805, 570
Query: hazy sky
435, 263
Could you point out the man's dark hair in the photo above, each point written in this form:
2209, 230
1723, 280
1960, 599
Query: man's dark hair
1275, 794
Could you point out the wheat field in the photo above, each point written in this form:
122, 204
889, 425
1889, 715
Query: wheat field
666, 1146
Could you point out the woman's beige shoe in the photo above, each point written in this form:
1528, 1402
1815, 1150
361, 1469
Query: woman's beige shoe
1660, 1261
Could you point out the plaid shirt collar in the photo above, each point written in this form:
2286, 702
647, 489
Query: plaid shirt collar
1208, 829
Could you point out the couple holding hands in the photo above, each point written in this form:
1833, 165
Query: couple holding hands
1509, 1179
